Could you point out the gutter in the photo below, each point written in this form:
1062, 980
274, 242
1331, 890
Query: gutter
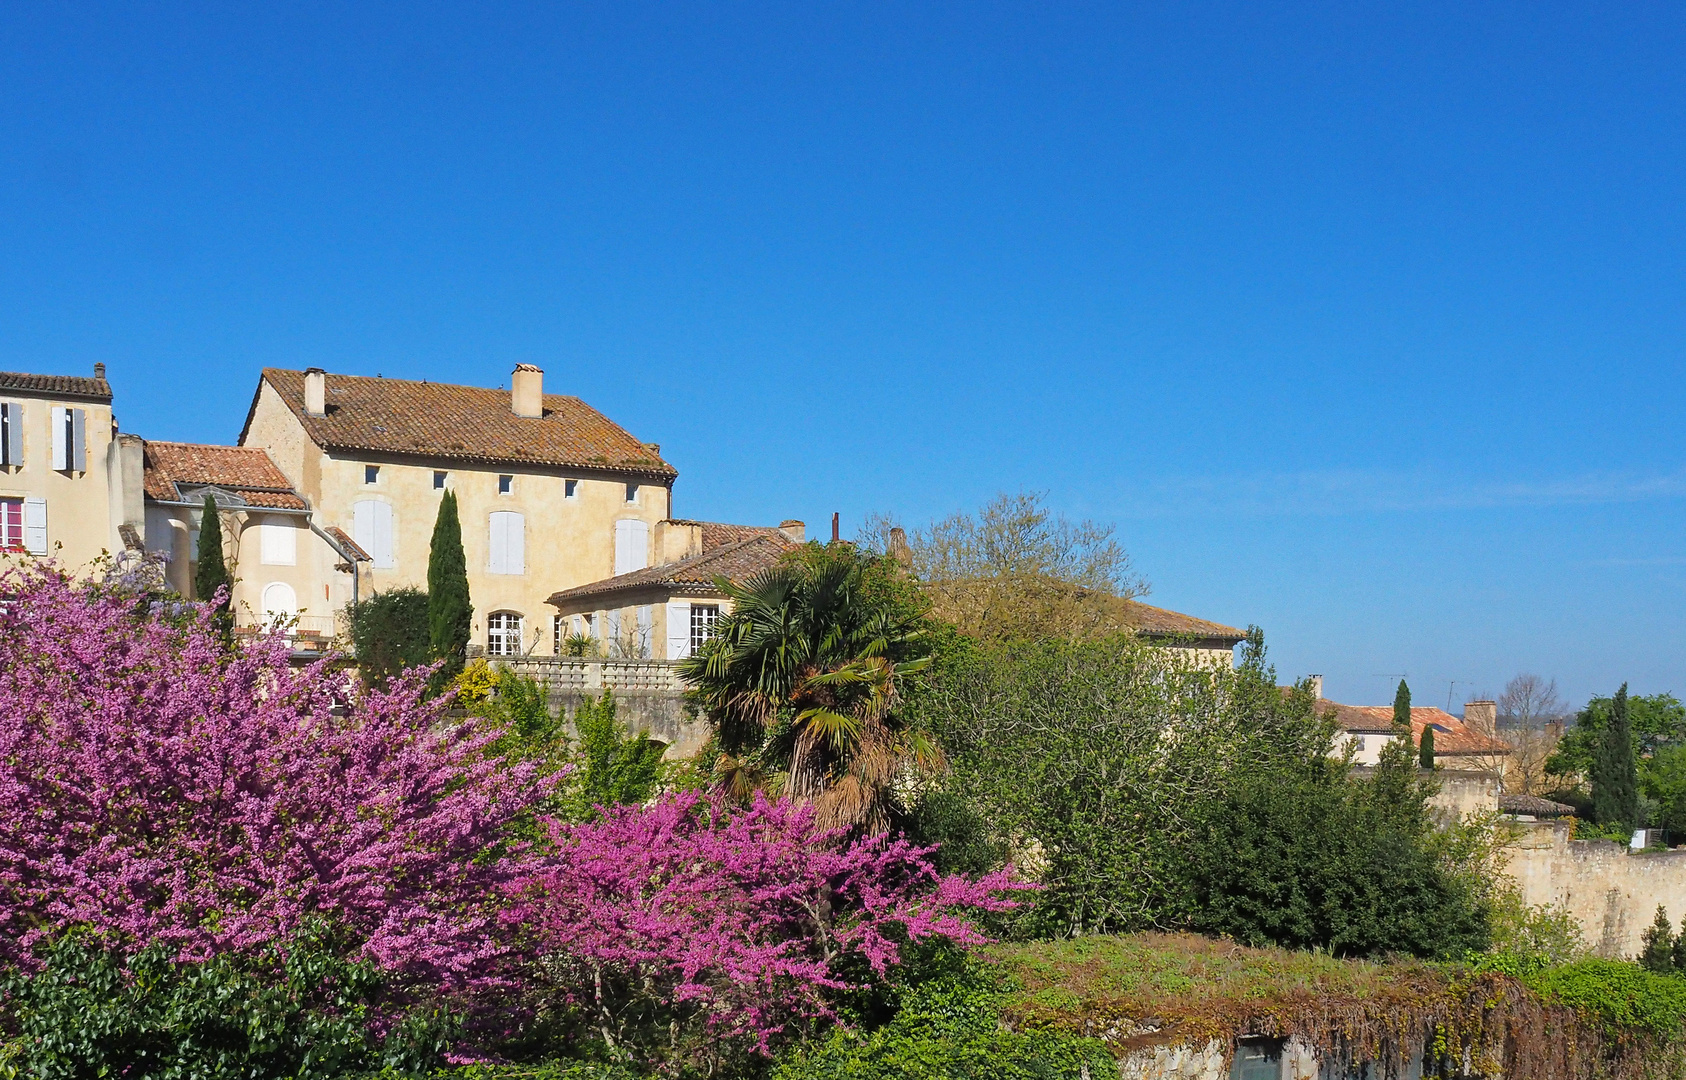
340, 551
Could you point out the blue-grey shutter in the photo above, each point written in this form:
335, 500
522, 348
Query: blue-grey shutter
79, 440
11, 417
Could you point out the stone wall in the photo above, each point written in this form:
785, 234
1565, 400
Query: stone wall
648, 695
1613, 894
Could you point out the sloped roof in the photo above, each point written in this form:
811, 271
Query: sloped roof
1158, 623
63, 386
734, 561
463, 423
1534, 806
1453, 738
246, 471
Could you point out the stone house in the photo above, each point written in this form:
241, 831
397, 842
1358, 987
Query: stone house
666, 611
1206, 642
1466, 744
551, 493
59, 468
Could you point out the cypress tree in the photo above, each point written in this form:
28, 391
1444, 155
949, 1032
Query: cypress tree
1658, 952
1402, 706
212, 573
449, 612
1615, 774
1425, 755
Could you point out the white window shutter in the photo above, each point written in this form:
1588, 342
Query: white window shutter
646, 630
632, 546
614, 633
678, 631
371, 527
61, 448
515, 543
385, 557
279, 542
79, 439
11, 416
35, 526
496, 545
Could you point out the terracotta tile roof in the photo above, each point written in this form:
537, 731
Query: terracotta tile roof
1534, 806
463, 423
716, 533
246, 471
347, 544
735, 562
64, 386
1453, 737
1153, 622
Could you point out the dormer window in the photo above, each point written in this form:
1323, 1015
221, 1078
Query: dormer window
632, 493
506, 484
371, 474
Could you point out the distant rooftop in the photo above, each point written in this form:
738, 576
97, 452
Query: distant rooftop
70, 387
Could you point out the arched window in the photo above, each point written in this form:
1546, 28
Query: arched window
508, 543
279, 601
632, 546
371, 527
503, 634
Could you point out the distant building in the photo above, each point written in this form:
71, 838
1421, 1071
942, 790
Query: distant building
1468, 743
1207, 642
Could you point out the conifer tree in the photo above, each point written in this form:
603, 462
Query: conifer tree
1402, 706
1678, 953
1658, 952
212, 573
1425, 754
449, 612
1615, 774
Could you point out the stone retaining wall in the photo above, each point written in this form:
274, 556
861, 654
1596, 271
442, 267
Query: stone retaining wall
1613, 893
649, 696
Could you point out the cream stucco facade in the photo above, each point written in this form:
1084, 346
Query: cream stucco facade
568, 520
56, 483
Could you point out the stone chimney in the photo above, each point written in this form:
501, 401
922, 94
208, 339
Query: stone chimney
315, 392
526, 390
898, 548
677, 540
794, 531
1482, 716
1316, 686
99, 371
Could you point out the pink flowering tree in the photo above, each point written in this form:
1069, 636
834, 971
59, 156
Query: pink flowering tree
160, 788
684, 929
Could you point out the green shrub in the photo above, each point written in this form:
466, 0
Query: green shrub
1616, 994
949, 1028
296, 1012
389, 633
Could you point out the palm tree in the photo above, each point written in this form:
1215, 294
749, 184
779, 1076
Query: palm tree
801, 683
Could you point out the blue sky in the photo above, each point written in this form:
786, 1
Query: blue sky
1363, 325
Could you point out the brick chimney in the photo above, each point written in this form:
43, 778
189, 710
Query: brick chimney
315, 392
1482, 716
1316, 686
794, 531
526, 390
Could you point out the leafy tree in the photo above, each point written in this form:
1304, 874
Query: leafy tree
1092, 762
1307, 858
1015, 570
1658, 722
1657, 953
616, 769
1615, 780
449, 613
1402, 706
1425, 753
389, 634
802, 682
212, 573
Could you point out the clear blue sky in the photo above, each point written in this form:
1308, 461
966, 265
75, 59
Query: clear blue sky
1363, 323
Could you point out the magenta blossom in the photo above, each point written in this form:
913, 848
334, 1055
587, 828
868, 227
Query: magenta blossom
158, 788
730, 924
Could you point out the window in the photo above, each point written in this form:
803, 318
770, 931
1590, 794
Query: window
612, 633
11, 525
11, 433
570, 489
646, 628
632, 493
558, 633
506, 485
70, 439
371, 474
508, 543
278, 543
1257, 1059
503, 634
438, 480
703, 618
371, 528
279, 601
632, 546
